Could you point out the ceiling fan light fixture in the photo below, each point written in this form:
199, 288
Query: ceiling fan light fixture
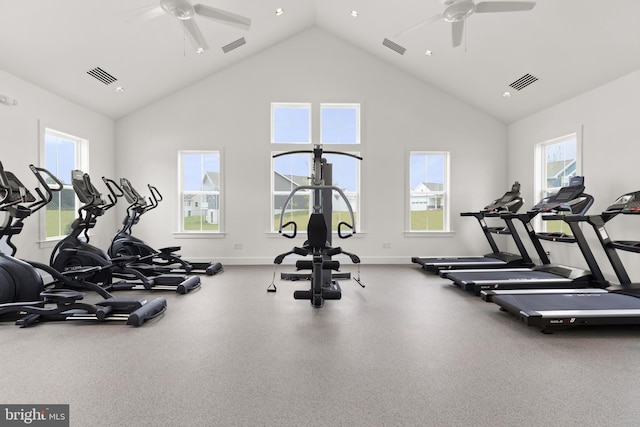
181, 9
459, 10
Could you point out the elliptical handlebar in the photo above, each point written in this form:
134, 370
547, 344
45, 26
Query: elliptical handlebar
113, 195
42, 175
155, 198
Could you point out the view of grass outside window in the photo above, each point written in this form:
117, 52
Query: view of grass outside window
62, 155
558, 160
200, 195
291, 125
428, 191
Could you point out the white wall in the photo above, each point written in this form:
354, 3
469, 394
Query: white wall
609, 119
19, 141
230, 111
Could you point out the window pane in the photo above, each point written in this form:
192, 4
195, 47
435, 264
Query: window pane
339, 125
201, 212
560, 165
201, 191
427, 191
345, 177
61, 157
289, 172
291, 124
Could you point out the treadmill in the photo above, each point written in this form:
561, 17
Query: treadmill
510, 202
564, 308
570, 199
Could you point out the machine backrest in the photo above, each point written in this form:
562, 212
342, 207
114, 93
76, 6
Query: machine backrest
317, 231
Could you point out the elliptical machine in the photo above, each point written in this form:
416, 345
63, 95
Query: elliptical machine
319, 233
75, 251
164, 260
25, 298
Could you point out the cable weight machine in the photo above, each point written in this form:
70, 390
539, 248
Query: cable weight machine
324, 270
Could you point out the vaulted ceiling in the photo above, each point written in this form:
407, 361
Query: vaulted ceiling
569, 46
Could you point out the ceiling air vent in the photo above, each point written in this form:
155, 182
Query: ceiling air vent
102, 75
234, 45
523, 82
394, 46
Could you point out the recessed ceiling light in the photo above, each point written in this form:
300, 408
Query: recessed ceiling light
354, 13
506, 94
119, 89
428, 52
279, 11
200, 50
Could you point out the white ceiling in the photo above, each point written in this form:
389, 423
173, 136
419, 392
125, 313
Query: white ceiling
570, 45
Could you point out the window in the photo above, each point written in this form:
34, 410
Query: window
291, 123
290, 129
200, 184
340, 123
557, 162
62, 153
428, 191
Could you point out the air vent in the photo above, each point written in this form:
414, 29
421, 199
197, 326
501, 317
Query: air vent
523, 82
394, 46
234, 45
102, 75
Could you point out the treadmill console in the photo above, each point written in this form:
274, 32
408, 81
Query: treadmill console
627, 203
509, 202
570, 198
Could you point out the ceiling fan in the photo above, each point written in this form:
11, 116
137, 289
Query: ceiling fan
186, 12
457, 11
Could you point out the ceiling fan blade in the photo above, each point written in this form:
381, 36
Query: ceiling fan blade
504, 6
457, 28
223, 16
195, 35
420, 25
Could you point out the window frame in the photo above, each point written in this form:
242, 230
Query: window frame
181, 193
294, 105
445, 193
540, 172
346, 106
80, 161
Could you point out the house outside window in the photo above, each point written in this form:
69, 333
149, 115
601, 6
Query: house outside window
62, 154
339, 130
200, 191
428, 191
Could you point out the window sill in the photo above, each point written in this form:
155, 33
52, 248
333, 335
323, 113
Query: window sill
429, 233
198, 235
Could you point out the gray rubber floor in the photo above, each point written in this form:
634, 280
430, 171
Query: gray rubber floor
410, 349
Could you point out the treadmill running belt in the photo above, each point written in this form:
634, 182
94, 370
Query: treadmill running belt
494, 276
567, 302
